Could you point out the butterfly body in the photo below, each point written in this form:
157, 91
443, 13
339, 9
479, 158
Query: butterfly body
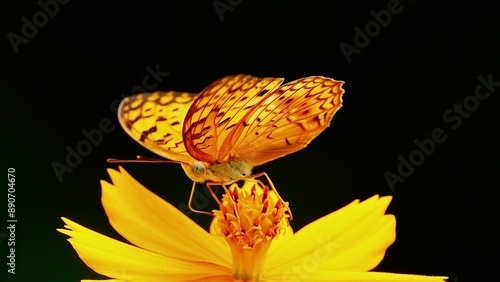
226, 172
236, 123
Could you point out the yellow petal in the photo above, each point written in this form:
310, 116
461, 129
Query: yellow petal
353, 238
109, 280
151, 223
342, 276
124, 262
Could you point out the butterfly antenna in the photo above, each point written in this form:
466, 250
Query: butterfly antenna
140, 159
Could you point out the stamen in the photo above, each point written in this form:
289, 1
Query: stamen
265, 206
249, 226
235, 195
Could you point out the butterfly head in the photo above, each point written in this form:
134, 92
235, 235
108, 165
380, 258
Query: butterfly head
196, 171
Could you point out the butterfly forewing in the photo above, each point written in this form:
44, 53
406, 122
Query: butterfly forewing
209, 129
155, 120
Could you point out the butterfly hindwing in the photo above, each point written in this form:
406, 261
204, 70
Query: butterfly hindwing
155, 121
288, 119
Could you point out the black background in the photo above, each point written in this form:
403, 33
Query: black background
427, 58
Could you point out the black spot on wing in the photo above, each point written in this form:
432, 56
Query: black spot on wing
226, 120
202, 133
262, 93
145, 133
202, 145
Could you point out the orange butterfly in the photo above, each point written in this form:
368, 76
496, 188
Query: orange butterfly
236, 123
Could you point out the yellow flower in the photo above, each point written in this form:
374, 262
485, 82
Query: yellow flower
249, 240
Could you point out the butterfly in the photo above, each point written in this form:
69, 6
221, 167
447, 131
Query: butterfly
234, 124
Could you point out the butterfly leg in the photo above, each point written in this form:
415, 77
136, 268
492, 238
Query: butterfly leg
191, 200
231, 195
209, 187
254, 178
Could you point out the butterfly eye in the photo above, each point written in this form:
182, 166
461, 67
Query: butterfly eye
198, 168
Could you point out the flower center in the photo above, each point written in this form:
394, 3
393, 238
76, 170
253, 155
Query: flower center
249, 218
